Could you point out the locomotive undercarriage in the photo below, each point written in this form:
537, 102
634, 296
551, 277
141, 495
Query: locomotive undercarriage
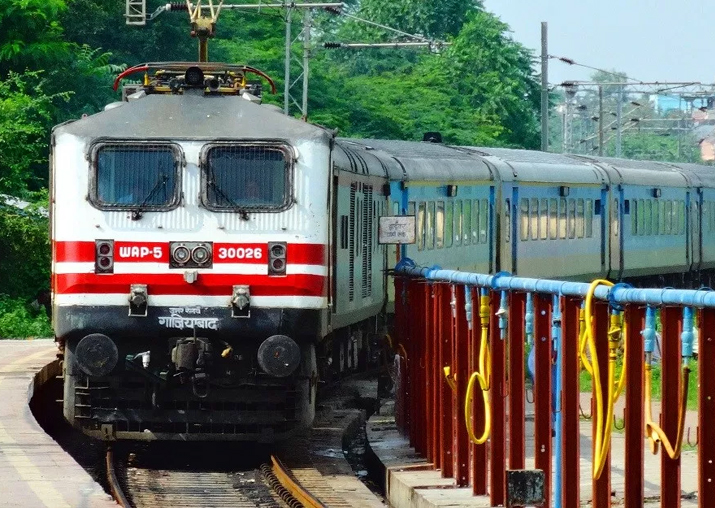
189, 387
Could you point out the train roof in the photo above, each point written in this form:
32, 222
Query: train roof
415, 161
191, 116
637, 172
535, 166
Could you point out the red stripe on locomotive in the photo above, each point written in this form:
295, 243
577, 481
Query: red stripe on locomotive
208, 284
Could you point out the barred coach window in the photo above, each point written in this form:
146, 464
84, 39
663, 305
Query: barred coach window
136, 176
246, 176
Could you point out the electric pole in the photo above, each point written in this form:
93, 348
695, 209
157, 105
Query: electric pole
544, 87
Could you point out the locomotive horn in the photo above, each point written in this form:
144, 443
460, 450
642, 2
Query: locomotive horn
96, 355
279, 355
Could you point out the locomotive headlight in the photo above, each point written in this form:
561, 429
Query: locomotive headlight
277, 258
190, 255
200, 255
180, 254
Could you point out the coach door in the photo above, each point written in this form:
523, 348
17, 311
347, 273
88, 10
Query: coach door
615, 212
693, 230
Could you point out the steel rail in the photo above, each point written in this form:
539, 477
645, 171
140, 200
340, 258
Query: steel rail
293, 487
114, 486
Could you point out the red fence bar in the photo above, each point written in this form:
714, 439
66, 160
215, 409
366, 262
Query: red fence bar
497, 441
413, 353
461, 369
706, 409
517, 433
428, 367
437, 377
399, 338
602, 486
634, 393
542, 390
479, 452
670, 404
446, 395
570, 448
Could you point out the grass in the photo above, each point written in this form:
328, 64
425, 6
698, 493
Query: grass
585, 382
18, 321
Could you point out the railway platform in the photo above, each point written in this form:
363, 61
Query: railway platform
35, 472
412, 481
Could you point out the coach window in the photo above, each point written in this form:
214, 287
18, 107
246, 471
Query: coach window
430, 225
421, 226
553, 219
246, 176
656, 217
524, 219
562, 218
439, 225
663, 218
534, 218
449, 224
634, 217
641, 217
668, 217
458, 218
648, 217
483, 221
544, 219
135, 176
476, 220
467, 222
507, 220
579, 218
681, 217
572, 218
589, 218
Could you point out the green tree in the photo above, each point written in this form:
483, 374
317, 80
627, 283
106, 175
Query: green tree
25, 119
30, 35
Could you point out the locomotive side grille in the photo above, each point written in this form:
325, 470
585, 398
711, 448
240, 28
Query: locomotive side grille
351, 275
367, 243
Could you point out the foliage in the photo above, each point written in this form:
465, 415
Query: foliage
24, 251
25, 117
17, 320
30, 35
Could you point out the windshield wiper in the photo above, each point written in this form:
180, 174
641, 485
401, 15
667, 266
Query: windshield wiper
161, 181
218, 190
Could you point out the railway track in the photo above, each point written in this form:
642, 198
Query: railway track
268, 486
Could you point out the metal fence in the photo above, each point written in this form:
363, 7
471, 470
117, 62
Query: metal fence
462, 340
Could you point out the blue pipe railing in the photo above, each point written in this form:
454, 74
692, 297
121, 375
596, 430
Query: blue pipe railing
620, 293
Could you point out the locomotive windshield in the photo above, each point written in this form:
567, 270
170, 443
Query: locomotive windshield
136, 176
237, 177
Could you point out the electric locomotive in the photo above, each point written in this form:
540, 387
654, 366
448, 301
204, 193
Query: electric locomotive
191, 262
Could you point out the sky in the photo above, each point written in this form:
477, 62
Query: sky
650, 40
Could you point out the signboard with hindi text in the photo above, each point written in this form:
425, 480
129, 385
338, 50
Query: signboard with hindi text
398, 229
